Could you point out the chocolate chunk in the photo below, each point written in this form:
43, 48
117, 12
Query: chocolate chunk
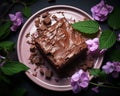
48, 74
32, 48
47, 20
42, 71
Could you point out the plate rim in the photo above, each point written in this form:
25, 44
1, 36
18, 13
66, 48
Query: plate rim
30, 76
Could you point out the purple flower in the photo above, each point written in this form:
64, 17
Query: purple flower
117, 66
108, 68
16, 19
79, 80
113, 68
101, 11
93, 47
93, 44
119, 37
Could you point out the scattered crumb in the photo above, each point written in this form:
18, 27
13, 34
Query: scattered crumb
35, 74
48, 74
42, 71
27, 35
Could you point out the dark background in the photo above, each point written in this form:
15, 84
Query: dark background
21, 80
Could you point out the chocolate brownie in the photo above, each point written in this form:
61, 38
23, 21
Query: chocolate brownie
60, 43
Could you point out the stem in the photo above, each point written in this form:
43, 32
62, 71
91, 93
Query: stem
106, 86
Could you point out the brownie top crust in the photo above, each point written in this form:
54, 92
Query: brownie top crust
60, 43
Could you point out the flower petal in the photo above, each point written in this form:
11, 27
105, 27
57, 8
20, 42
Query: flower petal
108, 68
84, 84
12, 17
13, 28
101, 10
18, 15
76, 89
75, 77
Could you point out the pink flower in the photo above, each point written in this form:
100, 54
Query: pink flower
101, 11
93, 47
16, 19
79, 80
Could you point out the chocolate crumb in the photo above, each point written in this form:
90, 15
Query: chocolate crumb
35, 74
42, 71
35, 60
27, 35
47, 20
30, 42
36, 68
48, 74
32, 48
45, 14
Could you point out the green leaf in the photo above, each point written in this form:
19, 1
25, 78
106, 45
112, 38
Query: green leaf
7, 45
88, 26
18, 92
95, 72
26, 11
98, 73
102, 75
13, 67
114, 55
107, 39
114, 19
4, 30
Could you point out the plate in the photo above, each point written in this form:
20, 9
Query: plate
71, 13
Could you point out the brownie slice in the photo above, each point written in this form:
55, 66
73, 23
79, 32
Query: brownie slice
60, 43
